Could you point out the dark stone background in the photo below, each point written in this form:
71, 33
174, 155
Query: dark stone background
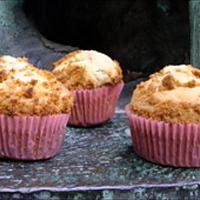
144, 35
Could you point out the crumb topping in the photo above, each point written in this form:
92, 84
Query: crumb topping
27, 90
171, 95
84, 69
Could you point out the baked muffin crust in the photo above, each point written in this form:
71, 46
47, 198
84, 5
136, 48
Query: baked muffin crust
84, 69
27, 90
171, 95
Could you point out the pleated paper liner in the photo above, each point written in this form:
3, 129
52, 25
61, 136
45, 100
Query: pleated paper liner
163, 143
31, 137
96, 106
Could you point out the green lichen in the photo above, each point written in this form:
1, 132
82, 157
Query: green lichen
6, 16
78, 197
107, 195
43, 196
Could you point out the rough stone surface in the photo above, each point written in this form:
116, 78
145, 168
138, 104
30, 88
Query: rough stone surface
195, 30
19, 38
144, 35
97, 163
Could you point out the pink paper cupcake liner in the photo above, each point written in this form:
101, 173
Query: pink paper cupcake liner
95, 106
175, 145
31, 137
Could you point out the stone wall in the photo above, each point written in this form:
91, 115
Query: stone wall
143, 35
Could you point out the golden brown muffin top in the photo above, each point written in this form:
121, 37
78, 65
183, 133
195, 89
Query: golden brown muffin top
84, 69
171, 95
27, 90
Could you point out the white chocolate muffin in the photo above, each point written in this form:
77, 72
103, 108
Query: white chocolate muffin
171, 95
85, 69
27, 90
12, 63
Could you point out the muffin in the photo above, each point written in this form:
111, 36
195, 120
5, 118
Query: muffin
164, 117
96, 81
34, 109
